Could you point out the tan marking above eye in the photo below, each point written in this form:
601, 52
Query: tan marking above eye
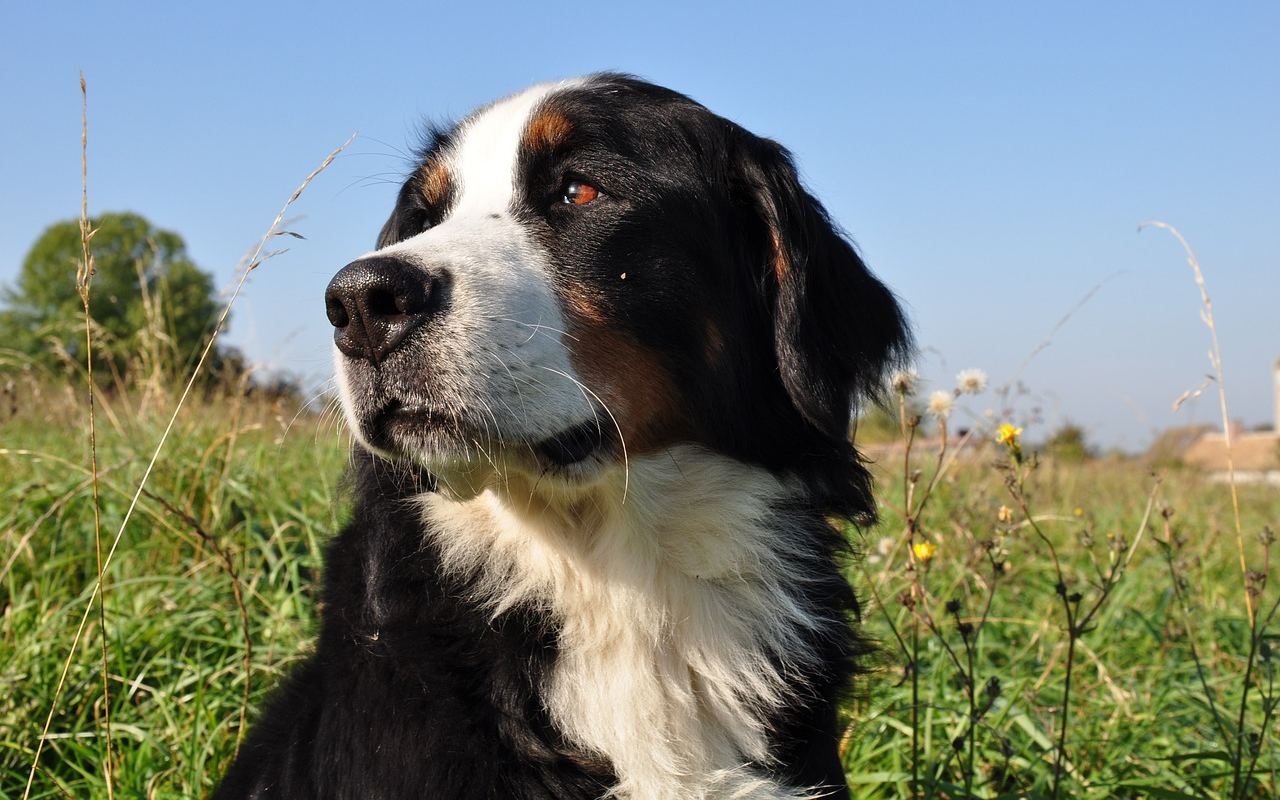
578, 193
435, 181
547, 131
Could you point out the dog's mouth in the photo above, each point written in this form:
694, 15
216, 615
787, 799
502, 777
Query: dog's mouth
403, 428
406, 428
397, 417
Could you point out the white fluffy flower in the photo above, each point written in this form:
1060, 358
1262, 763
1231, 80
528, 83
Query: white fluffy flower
904, 381
883, 548
971, 381
940, 404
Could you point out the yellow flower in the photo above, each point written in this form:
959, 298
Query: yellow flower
1005, 514
1079, 512
1007, 434
924, 550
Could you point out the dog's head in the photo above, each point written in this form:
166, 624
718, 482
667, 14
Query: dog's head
598, 269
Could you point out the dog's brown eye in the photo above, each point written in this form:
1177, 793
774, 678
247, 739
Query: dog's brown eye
577, 193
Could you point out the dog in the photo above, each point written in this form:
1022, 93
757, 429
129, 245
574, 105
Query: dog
600, 371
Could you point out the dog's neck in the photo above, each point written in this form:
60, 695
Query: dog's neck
678, 589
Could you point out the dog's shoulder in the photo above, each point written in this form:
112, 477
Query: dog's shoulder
411, 689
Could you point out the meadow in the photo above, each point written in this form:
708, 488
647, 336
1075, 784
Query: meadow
210, 597
1048, 625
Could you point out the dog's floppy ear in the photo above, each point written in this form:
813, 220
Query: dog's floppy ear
837, 329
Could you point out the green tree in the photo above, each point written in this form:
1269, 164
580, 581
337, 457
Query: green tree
1068, 444
151, 305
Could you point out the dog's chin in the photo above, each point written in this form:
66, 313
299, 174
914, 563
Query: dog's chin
465, 460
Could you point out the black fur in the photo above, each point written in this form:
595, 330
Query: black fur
805, 349
412, 691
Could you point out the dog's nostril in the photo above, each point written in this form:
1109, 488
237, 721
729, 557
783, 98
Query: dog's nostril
376, 302
404, 300
336, 312
380, 302
410, 302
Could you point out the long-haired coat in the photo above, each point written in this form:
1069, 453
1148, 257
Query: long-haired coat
601, 370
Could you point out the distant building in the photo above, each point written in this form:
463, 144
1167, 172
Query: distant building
1254, 454
964, 446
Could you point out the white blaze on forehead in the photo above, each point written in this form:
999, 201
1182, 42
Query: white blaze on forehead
484, 158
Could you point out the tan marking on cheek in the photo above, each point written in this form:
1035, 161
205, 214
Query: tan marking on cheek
436, 182
630, 379
546, 131
584, 308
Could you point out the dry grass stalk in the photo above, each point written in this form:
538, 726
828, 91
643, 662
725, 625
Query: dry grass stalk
237, 589
253, 262
84, 276
1215, 359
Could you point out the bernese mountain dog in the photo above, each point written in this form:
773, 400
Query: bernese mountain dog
600, 370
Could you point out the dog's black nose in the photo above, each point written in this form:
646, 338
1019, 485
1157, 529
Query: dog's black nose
374, 303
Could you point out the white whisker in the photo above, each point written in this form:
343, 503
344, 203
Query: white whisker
626, 464
537, 327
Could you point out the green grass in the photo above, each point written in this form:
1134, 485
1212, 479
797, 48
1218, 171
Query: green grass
1140, 722
175, 643
268, 493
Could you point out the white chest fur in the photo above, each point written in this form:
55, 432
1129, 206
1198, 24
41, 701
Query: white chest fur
678, 606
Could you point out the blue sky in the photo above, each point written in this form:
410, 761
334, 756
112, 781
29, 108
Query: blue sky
992, 161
